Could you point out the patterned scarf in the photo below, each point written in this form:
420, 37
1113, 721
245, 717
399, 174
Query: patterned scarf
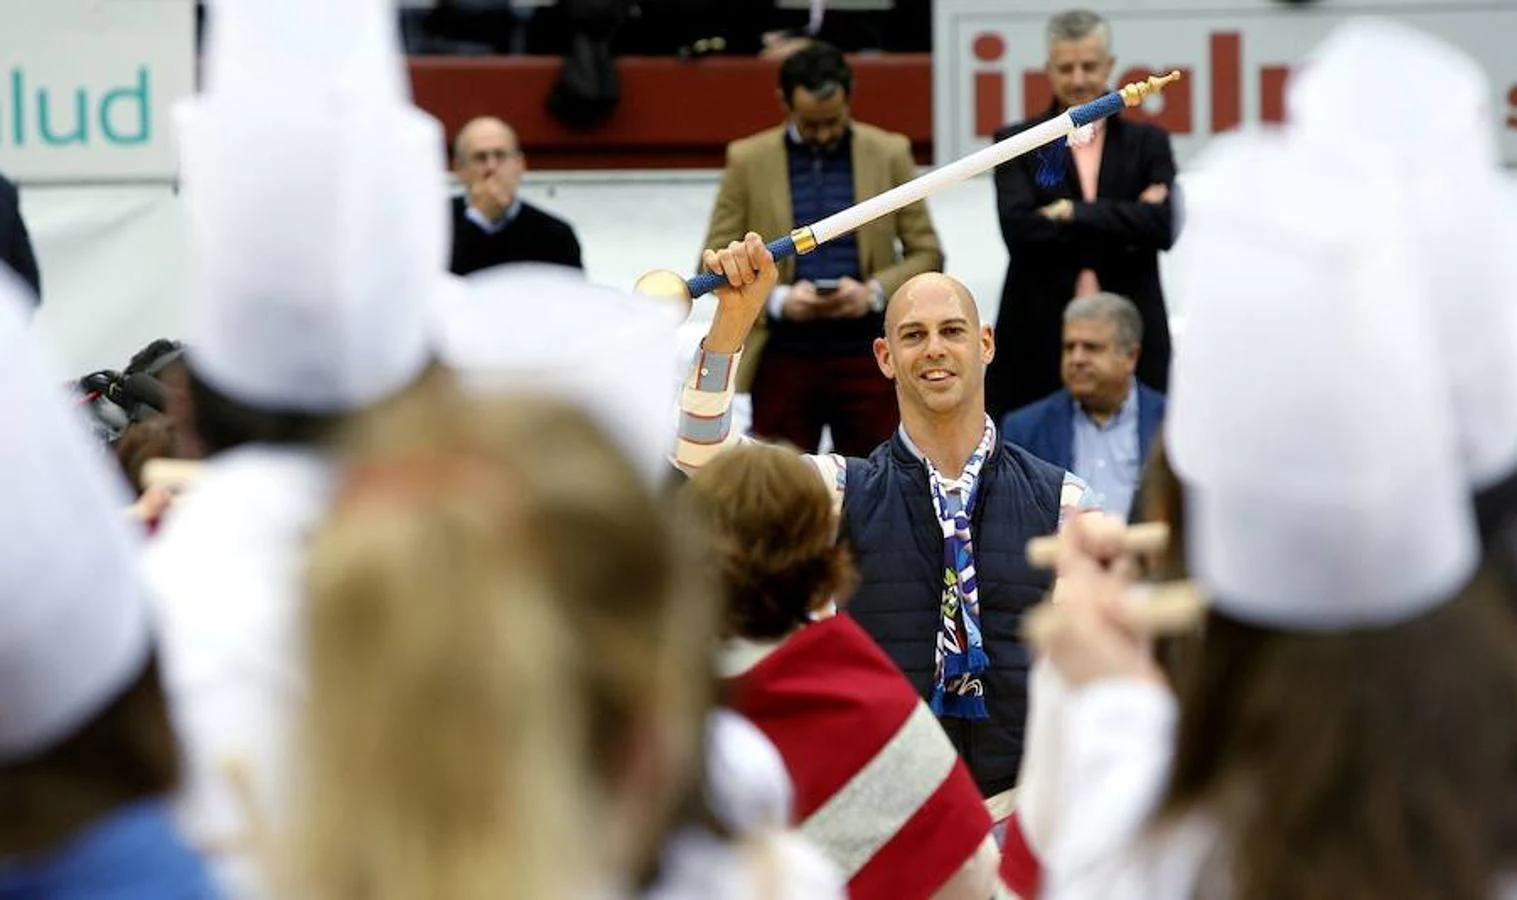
957, 689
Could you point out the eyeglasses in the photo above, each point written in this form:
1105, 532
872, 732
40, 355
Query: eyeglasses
480, 157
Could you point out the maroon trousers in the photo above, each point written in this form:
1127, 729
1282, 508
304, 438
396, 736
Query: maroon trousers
794, 396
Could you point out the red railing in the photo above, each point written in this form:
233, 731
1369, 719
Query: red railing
673, 113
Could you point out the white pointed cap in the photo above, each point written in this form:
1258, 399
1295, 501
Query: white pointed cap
317, 204
1426, 105
1308, 416
544, 329
1400, 87
351, 46
73, 624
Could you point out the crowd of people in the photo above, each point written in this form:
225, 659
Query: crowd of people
665, 27
810, 369
476, 586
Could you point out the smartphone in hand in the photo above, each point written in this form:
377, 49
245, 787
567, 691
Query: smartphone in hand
825, 286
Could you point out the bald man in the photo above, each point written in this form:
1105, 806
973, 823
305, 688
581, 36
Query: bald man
938, 516
492, 225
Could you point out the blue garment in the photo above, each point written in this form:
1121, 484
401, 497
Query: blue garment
1047, 430
134, 853
1107, 456
897, 540
821, 183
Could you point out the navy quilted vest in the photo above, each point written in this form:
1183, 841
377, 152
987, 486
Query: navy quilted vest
889, 522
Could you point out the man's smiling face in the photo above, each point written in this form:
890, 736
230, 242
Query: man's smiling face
935, 347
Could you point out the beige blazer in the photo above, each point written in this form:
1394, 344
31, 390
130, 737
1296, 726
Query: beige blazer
755, 196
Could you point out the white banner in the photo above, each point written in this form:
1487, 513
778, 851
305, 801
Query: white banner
113, 269
989, 56
87, 86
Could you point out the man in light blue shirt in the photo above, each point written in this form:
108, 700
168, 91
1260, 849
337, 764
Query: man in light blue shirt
1101, 424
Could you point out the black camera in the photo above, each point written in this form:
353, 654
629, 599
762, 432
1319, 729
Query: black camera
114, 400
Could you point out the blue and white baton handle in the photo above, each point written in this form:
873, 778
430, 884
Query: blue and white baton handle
805, 240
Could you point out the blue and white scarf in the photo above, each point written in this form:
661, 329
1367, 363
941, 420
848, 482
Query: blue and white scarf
957, 688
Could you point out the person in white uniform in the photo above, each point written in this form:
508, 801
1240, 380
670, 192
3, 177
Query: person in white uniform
87, 752
1435, 151
316, 200
493, 712
608, 357
1323, 744
1441, 134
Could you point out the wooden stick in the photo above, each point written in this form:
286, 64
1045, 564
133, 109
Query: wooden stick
1171, 608
174, 474
1148, 537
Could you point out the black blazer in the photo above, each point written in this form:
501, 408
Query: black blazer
1117, 236
15, 243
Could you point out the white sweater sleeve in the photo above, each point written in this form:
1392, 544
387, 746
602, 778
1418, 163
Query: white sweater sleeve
1118, 742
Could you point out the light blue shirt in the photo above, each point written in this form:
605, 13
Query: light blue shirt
494, 226
1106, 456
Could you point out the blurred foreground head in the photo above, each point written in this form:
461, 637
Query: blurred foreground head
507, 673
316, 198
1323, 435
86, 748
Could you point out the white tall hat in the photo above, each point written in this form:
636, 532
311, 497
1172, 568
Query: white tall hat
544, 329
1426, 105
1309, 418
317, 202
73, 624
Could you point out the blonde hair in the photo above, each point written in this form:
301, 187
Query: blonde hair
470, 653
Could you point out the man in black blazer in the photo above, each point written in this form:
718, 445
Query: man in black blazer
1098, 229
15, 243
492, 225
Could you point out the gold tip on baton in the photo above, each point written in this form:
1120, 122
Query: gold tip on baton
1135, 93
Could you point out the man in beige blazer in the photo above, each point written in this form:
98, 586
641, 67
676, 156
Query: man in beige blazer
809, 362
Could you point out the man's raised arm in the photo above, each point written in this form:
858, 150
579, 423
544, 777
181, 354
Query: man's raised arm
705, 427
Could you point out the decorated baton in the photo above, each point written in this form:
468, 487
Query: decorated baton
1053, 132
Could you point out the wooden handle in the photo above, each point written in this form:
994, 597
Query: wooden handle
174, 474
1171, 608
1149, 537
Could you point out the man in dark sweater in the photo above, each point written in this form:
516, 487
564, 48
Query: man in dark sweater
492, 225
